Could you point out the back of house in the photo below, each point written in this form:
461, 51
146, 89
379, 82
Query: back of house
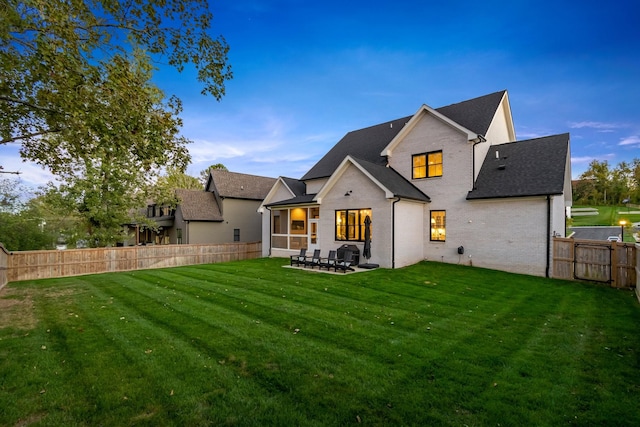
449, 184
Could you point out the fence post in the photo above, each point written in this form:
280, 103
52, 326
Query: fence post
614, 264
4, 272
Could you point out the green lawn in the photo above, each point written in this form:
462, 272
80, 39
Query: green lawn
252, 343
607, 215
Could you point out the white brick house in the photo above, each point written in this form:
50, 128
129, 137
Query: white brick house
431, 183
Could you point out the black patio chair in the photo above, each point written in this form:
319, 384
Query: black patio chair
328, 262
345, 263
299, 259
315, 259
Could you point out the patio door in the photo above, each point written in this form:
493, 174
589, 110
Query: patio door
313, 235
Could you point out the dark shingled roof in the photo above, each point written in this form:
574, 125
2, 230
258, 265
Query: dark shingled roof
388, 177
239, 185
298, 187
367, 144
534, 167
393, 181
475, 114
198, 205
303, 199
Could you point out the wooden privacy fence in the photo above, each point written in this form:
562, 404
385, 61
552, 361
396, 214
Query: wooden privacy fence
596, 261
29, 265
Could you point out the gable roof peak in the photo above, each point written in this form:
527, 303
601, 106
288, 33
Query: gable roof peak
238, 185
474, 116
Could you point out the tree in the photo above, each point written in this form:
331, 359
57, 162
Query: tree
204, 174
599, 175
165, 189
21, 228
76, 93
601, 184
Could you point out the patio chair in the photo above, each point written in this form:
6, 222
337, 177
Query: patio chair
299, 259
345, 263
315, 259
328, 262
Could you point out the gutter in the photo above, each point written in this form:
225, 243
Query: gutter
393, 232
473, 160
270, 228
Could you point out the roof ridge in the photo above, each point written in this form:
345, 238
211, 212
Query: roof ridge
473, 99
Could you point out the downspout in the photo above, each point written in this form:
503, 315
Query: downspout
393, 232
548, 234
270, 228
187, 231
473, 161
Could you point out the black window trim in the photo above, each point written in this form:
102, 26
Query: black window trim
426, 165
431, 227
360, 234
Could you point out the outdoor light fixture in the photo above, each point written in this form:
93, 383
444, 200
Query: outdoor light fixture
622, 224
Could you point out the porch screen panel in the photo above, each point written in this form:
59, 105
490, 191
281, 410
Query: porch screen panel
280, 221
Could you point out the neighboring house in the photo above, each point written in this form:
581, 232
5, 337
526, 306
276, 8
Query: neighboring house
446, 184
225, 211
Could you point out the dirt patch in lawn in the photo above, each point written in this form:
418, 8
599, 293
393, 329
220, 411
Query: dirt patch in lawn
16, 309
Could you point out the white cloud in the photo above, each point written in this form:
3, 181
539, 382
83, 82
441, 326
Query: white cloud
630, 140
600, 126
589, 159
31, 174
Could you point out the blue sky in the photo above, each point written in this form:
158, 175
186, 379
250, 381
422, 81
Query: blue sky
306, 73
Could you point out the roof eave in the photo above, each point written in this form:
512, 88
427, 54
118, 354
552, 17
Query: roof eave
513, 196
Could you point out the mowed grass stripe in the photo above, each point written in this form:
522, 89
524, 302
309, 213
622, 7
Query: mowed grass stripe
360, 320
152, 350
278, 314
318, 361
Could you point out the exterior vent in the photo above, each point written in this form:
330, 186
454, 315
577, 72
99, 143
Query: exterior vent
502, 167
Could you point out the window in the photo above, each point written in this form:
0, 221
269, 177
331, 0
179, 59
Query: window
280, 221
350, 224
298, 221
438, 226
427, 165
179, 235
290, 229
236, 234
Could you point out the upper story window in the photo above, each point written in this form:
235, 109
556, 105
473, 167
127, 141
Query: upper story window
427, 165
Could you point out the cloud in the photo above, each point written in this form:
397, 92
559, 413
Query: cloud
589, 159
630, 140
31, 174
530, 135
600, 126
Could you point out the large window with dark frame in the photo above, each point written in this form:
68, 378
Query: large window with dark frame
438, 226
350, 224
426, 165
